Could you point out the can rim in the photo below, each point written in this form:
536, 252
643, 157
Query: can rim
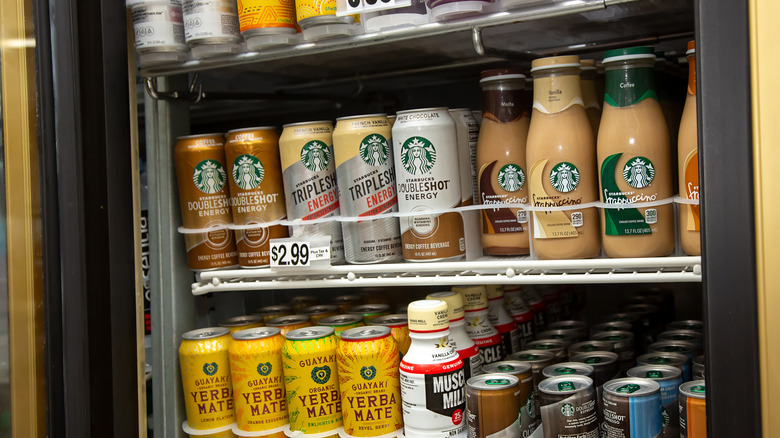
646, 387
582, 357
560, 343
256, 333
318, 309
673, 372
376, 308
519, 367
365, 333
687, 388
238, 321
481, 382
362, 116
205, 333
328, 320
283, 321
213, 134
574, 347
309, 333
578, 367
420, 110
315, 122
681, 359
258, 128
544, 355
626, 335
392, 320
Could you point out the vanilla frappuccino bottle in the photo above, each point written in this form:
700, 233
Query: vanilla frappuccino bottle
501, 167
634, 159
589, 96
688, 162
561, 156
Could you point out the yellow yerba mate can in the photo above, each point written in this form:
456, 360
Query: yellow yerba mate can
319, 311
369, 380
342, 322
224, 434
399, 328
270, 312
238, 323
289, 323
312, 380
205, 375
258, 381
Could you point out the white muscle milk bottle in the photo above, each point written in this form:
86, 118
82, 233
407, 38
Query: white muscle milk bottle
478, 325
433, 379
501, 319
466, 348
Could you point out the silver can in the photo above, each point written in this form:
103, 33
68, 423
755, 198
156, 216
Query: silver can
468, 131
589, 347
211, 27
676, 360
555, 346
309, 175
685, 348
364, 165
604, 364
694, 337
580, 327
159, 31
568, 369
612, 326
624, 346
428, 179
699, 368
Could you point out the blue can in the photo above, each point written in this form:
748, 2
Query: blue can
670, 379
632, 408
676, 360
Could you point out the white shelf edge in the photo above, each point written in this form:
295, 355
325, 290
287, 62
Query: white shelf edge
492, 271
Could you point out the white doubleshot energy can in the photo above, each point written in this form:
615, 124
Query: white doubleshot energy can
158, 30
309, 175
364, 166
428, 179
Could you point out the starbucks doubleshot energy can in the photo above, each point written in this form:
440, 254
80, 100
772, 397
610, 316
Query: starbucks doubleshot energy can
693, 410
670, 379
399, 328
568, 407
364, 166
632, 408
425, 145
538, 360
309, 175
204, 200
312, 381
493, 402
258, 381
256, 192
368, 363
341, 322
205, 375
525, 391
676, 360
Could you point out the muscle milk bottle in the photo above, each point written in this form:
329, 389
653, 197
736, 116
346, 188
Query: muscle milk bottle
466, 348
478, 324
501, 319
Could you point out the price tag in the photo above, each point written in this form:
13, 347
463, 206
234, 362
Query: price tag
351, 7
294, 253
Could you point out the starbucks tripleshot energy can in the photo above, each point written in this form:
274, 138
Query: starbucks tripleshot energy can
364, 167
204, 200
311, 379
670, 379
368, 363
568, 407
238, 323
632, 408
525, 390
289, 323
399, 328
205, 375
258, 381
256, 192
693, 410
309, 174
342, 322
425, 146
493, 403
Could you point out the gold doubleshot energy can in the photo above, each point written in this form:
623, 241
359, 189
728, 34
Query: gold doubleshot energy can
319, 311
201, 177
342, 322
368, 363
275, 311
364, 167
205, 375
309, 175
238, 323
399, 328
256, 192
311, 378
258, 381
290, 322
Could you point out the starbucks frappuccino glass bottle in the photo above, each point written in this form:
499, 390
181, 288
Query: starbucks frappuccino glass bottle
688, 163
634, 159
589, 95
501, 167
561, 156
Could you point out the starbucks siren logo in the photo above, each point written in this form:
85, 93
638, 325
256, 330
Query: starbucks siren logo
565, 177
639, 172
373, 150
567, 410
511, 177
315, 156
418, 155
209, 176
248, 172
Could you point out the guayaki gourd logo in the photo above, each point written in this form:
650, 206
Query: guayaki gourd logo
511, 177
373, 150
368, 373
210, 368
418, 155
315, 156
209, 176
321, 375
565, 177
639, 172
248, 172
567, 410
264, 369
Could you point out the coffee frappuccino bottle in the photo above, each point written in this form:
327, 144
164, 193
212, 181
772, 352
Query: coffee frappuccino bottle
688, 162
561, 156
634, 159
501, 167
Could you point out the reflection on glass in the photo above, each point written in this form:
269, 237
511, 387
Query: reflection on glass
5, 381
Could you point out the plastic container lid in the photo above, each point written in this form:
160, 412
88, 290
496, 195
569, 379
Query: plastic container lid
428, 316
555, 62
211, 50
454, 302
452, 10
641, 52
325, 31
501, 74
588, 64
260, 42
474, 297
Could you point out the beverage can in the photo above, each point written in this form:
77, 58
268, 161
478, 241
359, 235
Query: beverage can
604, 364
364, 165
211, 23
670, 379
493, 402
687, 349
466, 347
345, 302
256, 191
589, 347
238, 323
570, 336
370, 311
368, 363
258, 380
499, 316
311, 379
289, 323
309, 175
632, 408
568, 369
579, 327
688, 324
676, 360
568, 406
699, 368
554, 346
538, 360
205, 375
319, 311
693, 409
159, 31
342, 322
266, 17
427, 178
694, 337
275, 311
524, 373
302, 301
399, 328
624, 346
613, 326
204, 201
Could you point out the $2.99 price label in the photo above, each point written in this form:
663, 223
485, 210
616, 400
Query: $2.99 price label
290, 254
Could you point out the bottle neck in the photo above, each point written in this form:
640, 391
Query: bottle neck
692, 74
504, 101
429, 336
630, 82
557, 90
